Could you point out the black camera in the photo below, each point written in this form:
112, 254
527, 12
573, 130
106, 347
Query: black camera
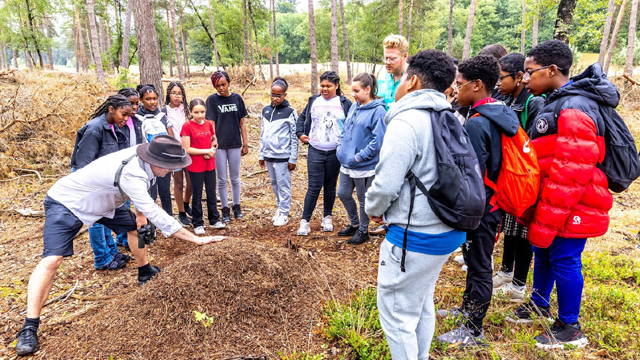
146, 235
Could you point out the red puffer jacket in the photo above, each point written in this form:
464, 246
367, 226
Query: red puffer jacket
574, 199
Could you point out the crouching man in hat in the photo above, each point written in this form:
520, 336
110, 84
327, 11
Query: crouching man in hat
92, 195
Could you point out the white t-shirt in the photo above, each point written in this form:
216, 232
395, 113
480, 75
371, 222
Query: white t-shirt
327, 122
176, 117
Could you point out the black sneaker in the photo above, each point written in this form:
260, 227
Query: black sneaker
27, 341
143, 279
348, 231
237, 213
462, 337
561, 334
122, 257
226, 215
115, 264
187, 209
184, 220
359, 237
525, 312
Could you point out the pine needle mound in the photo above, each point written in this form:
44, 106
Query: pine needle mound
259, 300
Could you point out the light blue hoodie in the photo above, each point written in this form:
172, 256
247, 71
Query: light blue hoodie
362, 136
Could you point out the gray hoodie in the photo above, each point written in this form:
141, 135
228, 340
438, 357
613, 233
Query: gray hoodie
408, 145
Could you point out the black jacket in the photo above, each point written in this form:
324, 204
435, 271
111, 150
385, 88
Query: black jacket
533, 108
303, 126
96, 139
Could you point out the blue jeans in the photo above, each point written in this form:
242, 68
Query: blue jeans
102, 244
121, 239
560, 263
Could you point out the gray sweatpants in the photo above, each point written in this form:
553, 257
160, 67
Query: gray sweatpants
281, 184
405, 300
345, 193
230, 157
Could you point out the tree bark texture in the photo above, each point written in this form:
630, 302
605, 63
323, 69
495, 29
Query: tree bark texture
524, 26
124, 61
84, 62
176, 42
148, 47
409, 23
244, 32
534, 30
184, 49
566, 8
467, 38
275, 36
400, 17
32, 26
170, 41
272, 39
628, 69
15, 55
450, 36
97, 59
313, 52
614, 35
346, 42
335, 57
257, 41
215, 42
611, 8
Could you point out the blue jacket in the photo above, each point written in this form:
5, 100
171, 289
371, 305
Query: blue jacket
362, 136
96, 139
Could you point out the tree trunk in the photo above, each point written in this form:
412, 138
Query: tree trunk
628, 69
27, 59
33, 32
534, 30
313, 53
409, 24
170, 38
346, 42
215, 42
450, 38
184, 49
244, 32
611, 8
176, 42
562, 29
77, 41
118, 50
614, 35
524, 26
400, 17
3, 57
275, 36
467, 38
148, 51
273, 46
14, 55
258, 49
47, 30
97, 59
87, 36
106, 30
335, 56
81, 49
124, 61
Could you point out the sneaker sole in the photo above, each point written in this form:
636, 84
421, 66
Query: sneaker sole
281, 224
580, 343
302, 234
23, 353
327, 230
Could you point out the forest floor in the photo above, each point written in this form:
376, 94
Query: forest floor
262, 292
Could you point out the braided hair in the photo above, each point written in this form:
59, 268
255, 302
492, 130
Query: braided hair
216, 76
184, 97
128, 92
333, 77
117, 101
146, 89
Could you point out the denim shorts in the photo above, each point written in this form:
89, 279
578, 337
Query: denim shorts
61, 226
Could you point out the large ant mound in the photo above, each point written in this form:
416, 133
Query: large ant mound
258, 300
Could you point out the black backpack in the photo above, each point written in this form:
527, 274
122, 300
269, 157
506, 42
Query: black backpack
457, 197
621, 162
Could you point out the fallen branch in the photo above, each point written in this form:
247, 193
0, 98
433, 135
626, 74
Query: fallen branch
252, 82
90, 298
71, 292
631, 80
256, 173
26, 212
65, 296
31, 171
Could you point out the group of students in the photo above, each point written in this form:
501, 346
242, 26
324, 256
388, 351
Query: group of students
493, 95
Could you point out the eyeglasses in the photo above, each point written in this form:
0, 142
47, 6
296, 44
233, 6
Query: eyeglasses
390, 59
276, 95
175, 94
528, 73
457, 88
502, 77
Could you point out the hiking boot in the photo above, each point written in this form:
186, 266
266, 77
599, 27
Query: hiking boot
304, 228
122, 257
348, 231
218, 225
516, 292
144, 278
183, 219
327, 225
463, 338
281, 220
380, 230
454, 313
459, 259
113, 265
199, 230
237, 213
524, 314
27, 341
226, 215
502, 278
561, 334
359, 237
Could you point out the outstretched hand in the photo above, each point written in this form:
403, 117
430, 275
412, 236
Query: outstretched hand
201, 240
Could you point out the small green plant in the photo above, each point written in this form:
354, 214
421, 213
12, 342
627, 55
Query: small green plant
122, 80
203, 318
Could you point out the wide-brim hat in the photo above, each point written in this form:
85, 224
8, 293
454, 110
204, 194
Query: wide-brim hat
164, 151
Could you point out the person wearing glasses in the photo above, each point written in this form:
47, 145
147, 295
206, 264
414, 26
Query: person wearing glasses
279, 147
396, 50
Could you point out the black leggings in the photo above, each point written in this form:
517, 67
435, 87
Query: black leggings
323, 168
208, 178
163, 188
519, 251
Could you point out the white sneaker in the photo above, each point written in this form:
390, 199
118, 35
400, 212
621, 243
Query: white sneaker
502, 278
281, 220
327, 225
459, 259
199, 230
275, 216
218, 225
516, 294
464, 267
304, 228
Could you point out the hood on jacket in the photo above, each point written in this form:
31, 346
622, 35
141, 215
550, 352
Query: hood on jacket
424, 99
593, 84
371, 104
503, 117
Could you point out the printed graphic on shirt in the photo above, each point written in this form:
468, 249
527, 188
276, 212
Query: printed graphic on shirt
228, 108
327, 123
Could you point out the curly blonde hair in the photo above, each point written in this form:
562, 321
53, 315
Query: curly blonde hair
396, 42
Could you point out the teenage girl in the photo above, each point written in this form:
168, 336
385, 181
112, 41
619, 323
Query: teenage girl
358, 153
198, 137
227, 111
178, 113
154, 122
320, 125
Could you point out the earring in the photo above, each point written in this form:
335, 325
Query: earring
518, 83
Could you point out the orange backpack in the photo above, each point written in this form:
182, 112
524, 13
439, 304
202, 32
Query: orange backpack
519, 179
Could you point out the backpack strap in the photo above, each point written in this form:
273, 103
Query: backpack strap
524, 115
412, 186
116, 180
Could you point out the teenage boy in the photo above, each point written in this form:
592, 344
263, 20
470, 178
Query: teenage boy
405, 299
488, 120
574, 200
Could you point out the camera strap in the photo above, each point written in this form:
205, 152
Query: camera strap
116, 182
